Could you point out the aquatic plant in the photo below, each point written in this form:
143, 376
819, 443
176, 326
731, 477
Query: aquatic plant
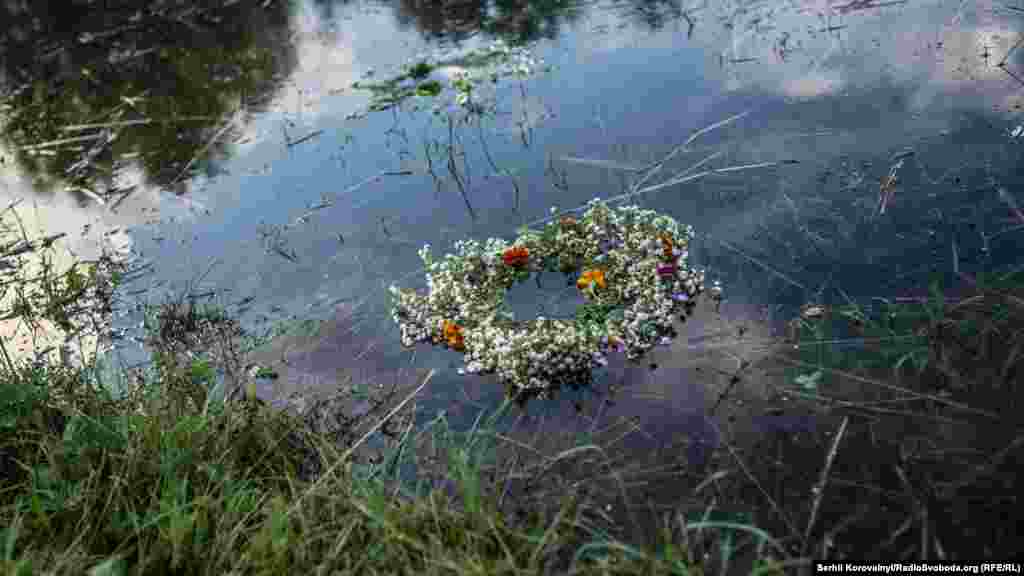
461, 82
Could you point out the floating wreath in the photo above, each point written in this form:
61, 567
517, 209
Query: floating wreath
629, 264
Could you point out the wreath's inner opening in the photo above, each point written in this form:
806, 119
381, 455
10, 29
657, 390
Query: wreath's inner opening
556, 297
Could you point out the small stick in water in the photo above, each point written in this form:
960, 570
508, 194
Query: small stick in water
1006, 197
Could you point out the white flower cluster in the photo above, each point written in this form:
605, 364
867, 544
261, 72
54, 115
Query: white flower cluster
633, 264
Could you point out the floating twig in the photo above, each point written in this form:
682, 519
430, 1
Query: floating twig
819, 488
762, 265
689, 24
887, 187
866, 5
122, 123
1010, 201
205, 148
604, 164
280, 252
956, 259
655, 167
61, 142
309, 136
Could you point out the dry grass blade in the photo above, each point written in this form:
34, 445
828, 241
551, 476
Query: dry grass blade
994, 461
719, 475
819, 489
918, 395
654, 168
302, 139
674, 182
771, 501
697, 176
228, 122
1011, 202
123, 123
887, 188
611, 164
714, 126
763, 265
857, 5
348, 452
60, 142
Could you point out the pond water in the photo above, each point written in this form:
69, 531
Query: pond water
244, 159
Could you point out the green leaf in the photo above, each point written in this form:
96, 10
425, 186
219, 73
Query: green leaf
420, 70
431, 88
809, 381
201, 372
110, 567
264, 372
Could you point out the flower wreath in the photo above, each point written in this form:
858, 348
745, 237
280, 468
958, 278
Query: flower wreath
632, 272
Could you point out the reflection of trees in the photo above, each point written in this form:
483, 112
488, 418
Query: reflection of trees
515, 21
160, 81
654, 13
326, 8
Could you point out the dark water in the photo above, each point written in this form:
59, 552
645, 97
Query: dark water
227, 147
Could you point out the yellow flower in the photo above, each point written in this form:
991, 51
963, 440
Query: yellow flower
589, 277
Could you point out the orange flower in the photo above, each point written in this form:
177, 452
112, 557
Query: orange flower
516, 257
666, 245
453, 336
590, 277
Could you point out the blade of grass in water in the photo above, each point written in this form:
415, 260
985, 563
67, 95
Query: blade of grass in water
355, 446
122, 123
763, 265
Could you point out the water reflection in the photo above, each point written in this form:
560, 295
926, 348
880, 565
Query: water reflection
91, 95
514, 21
